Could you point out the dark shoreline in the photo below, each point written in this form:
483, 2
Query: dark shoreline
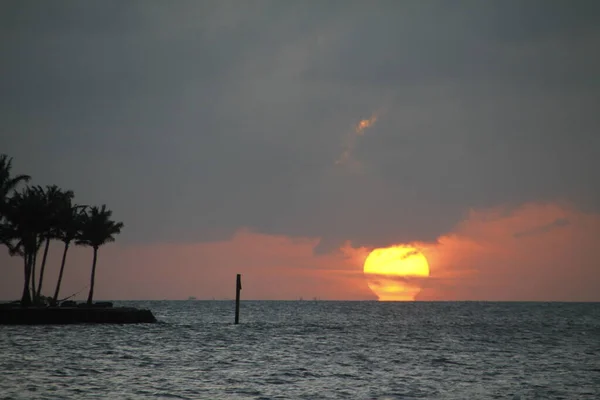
16, 315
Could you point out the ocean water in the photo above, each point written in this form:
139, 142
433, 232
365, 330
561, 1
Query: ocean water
313, 350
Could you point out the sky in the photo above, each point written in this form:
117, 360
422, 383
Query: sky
286, 140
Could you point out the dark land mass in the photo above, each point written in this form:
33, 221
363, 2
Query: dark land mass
11, 314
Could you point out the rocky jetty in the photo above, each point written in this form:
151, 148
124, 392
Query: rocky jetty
101, 313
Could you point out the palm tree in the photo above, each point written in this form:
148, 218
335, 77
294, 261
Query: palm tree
97, 230
35, 199
8, 184
53, 198
23, 213
23, 225
70, 218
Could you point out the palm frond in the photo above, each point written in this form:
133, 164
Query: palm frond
98, 229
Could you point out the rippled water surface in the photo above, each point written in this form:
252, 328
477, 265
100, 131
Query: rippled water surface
313, 350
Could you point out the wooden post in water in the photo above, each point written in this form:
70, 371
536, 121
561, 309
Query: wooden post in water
238, 288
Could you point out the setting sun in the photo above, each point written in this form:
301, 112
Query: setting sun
395, 273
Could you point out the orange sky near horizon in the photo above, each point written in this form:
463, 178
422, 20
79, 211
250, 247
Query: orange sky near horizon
537, 252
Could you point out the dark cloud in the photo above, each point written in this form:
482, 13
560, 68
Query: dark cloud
193, 119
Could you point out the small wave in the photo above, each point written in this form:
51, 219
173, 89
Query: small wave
444, 360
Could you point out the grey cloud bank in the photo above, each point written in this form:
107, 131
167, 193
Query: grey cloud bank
193, 119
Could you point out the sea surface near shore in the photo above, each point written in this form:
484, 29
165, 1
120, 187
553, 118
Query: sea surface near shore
313, 350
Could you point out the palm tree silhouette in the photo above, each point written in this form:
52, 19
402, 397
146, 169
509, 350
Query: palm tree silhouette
35, 216
24, 213
53, 197
97, 229
8, 185
69, 224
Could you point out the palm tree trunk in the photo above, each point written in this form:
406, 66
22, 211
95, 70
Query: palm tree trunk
42, 268
91, 294
26, 297
32, 273
60, 274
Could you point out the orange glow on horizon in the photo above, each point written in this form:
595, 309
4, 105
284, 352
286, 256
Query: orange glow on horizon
394, 273
536, 252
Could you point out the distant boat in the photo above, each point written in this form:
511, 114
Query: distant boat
191, 298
